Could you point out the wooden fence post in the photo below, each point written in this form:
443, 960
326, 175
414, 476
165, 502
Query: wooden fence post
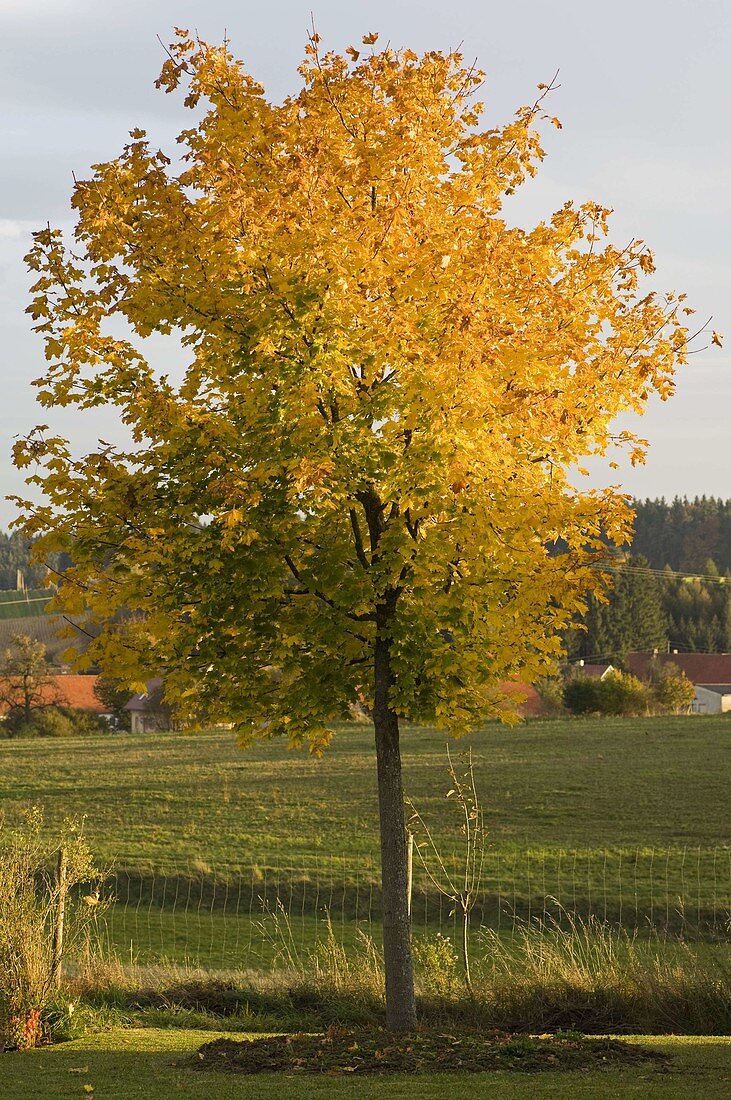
59, 917
409, 868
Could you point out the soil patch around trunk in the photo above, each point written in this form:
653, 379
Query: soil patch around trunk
373, 1051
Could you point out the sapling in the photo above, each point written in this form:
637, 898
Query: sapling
460, 885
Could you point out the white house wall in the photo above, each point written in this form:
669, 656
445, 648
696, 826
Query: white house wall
710, 702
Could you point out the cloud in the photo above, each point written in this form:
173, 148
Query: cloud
27, 11
14, 229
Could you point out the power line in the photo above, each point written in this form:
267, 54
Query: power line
674, 574
30, 599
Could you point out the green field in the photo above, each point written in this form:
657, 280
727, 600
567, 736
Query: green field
623, 819
170, 799
24, 613
23, 605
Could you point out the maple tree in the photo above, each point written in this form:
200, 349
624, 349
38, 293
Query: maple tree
357, 488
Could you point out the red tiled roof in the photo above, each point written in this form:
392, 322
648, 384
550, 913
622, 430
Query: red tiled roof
71, 690
700, 668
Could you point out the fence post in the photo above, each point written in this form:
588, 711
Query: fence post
409, 869
59, 917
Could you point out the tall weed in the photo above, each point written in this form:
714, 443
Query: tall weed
586, 975
32, 898
582, 976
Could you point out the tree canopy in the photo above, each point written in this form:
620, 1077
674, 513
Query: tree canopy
386, 389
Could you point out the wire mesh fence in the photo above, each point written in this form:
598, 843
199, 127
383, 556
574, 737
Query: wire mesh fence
249, 917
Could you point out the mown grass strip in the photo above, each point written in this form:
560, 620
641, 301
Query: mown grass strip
121, 1064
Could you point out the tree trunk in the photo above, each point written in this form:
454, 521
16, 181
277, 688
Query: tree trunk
400, 1003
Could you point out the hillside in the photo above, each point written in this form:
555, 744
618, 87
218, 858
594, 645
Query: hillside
25, 613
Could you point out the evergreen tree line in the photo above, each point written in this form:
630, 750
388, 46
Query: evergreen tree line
684, 534
668, 608
14, 563
662, 610
15, 566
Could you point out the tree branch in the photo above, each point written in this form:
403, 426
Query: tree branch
363, 617
358, 538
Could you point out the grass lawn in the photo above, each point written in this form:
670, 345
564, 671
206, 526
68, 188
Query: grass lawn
155, 1064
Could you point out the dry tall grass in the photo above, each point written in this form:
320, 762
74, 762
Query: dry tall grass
34, 899
584, 976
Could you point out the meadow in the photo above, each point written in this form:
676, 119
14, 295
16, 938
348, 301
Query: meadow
162, 800
209, 846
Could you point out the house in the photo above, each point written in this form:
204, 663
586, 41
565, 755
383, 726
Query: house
147, 711
700, 668
710, 674
712, 699
73, 690
592, 671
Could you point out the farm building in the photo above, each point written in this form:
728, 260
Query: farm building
591, 671
700, 668
710, 674
712, 699
147, 711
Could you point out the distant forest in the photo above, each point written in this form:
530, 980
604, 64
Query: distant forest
15, 571
672, 587
684, 534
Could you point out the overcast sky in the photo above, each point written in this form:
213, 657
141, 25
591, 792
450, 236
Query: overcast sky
644, 99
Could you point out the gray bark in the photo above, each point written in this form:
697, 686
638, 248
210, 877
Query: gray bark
400, 1001
398, 964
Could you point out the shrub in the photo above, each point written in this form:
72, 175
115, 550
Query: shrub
551, 691
672, 691
52, 721
582, 695
617, 694
437, 965
621, 693
33, 895
84, 722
